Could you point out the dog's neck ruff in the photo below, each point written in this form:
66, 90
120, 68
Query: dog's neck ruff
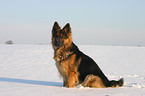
63, 55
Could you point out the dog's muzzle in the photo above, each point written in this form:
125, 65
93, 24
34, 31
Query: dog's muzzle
58, 42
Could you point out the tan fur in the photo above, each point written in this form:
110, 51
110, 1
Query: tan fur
68, 70
68, 67
93, 81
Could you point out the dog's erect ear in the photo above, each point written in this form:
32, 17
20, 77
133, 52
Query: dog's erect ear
55, 27
67, 28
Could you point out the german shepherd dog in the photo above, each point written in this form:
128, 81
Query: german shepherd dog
74, 66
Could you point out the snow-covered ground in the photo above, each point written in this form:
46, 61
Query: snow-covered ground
29, 70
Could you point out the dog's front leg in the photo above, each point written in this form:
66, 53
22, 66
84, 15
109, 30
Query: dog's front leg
71, 79
65, 81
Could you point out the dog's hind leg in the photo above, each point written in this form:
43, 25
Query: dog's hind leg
93, 81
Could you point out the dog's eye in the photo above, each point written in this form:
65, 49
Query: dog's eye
64, 36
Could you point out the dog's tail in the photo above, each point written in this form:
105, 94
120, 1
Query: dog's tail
114, 83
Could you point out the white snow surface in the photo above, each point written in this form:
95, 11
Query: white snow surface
29, 70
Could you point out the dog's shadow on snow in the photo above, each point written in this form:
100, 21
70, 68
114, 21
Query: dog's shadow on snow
35, 82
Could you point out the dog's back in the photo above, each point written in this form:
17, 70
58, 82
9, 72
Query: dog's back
89, 71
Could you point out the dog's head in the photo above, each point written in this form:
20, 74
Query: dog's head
61, 37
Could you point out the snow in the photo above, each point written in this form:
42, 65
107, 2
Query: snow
29, 70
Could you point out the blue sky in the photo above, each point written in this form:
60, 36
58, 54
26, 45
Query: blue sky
100, 22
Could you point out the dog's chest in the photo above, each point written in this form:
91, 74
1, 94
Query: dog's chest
62, 68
